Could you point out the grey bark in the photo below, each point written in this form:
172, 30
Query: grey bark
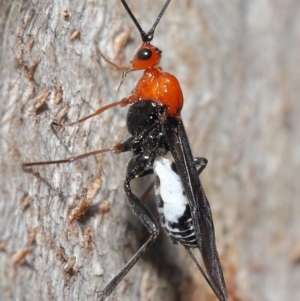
238, 64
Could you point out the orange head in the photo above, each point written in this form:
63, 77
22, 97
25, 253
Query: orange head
147, 56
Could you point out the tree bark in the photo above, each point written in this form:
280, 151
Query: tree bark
238, 64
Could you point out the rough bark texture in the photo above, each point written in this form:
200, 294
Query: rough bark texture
238, 63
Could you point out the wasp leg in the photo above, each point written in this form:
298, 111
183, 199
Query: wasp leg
136, 167
117, 148
123, 102
200, 164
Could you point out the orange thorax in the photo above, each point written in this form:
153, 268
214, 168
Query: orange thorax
161, 87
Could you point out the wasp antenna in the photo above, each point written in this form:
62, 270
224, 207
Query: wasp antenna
150, 34
146, 37
143, 34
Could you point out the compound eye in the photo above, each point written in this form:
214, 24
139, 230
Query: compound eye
144, 54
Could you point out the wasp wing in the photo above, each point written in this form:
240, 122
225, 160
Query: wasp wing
178, 144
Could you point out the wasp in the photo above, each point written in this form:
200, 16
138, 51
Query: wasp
156, 128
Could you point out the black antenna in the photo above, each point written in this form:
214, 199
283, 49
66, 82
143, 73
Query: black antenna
146, 37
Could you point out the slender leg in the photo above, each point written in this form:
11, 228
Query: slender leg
117, 279
125, 69
135, 167
118, 68
117, 148
126, 146
123, 102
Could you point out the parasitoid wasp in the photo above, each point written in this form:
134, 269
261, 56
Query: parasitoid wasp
156, 128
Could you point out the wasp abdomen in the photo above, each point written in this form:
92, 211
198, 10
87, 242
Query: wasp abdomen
173, 206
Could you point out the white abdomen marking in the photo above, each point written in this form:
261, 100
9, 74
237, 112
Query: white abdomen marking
173, 206
170, 190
